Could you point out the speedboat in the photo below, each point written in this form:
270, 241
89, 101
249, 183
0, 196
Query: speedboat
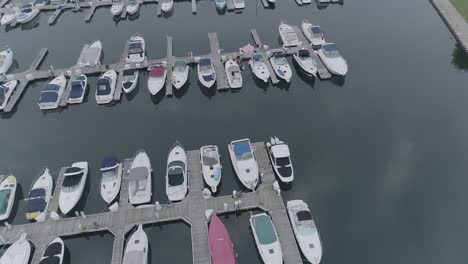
52, 92
156, 79
7, 196
233, 74
111, 170
244, 162
18, 253
220, 4
41, 2
73, 186
313, 33
206, 72
221, 249
91, 56
27, 13
281, 67
211, 166
136, 250
78, 89
259, 68
139, 186
39, 197
266, 238
129, 80
176, 174
133, 6
305, 230
306, 62
54, 252
239, 4
136, 49
6, 59
106, 87
332, 59
280, 159
167, 5
10, 15
117, 7
6, 90
288, 35
180, 74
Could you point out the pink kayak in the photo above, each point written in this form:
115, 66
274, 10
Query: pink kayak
221, 247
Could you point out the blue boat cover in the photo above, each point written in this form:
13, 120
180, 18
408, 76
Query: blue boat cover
316, 30
103, 86
208, 78
48, 97
205, 62
109, 162
329, 47
257, 57
241, 148
51, 87
36, 205
76, 89
37, 193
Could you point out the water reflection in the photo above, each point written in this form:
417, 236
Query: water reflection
459, 57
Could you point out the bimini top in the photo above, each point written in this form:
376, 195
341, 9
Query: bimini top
204, 62
280, 151
157, 71
36, 201
257, 57
316, 30
241, 148
135, 48
176, 173
264, 229
103, 86
49, 94
76, 89
109, 163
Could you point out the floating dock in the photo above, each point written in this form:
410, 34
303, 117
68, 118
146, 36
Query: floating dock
218, 63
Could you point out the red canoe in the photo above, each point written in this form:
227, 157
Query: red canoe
220, 243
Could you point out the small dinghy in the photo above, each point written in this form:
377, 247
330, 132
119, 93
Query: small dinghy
6, 90
281, 67
220, 4
332, 59
133, 6
266, 238
167, 5
111, 170
288, 35
6, 59
278, 151
136, 49
136, 250
18, 253
233, 74
313, 33
221, 247
54, 252
91, 56
239, 4
52, 92
306, 62
79, 86
305, 230
156, 79
7, 196
244, 162
27, 13
73, 186
176, 174
39, 197
106, 87
139, 177
211, 166
259, 68
129, 80
117, 7
10, 15
180, 74
206, 72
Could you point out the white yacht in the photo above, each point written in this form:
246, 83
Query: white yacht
136, 49
40, 196
266, 239
281, 67
305, 230
211, 166
244, 162
27, 13
18, 253
129, 80
106, 87
79, 85
259, 68
280, 159
176, 173
133, 6
180, 74
313, 33
156, 79
136, 250
91, 56
167, 5
6, 90
288, 35
10, 15
332, 59
206, 72
233, 74
73, 186
306, 62
6, 59
111, 170
117, 7
54, 252
52, 92
239, 4
139, 177
7, 196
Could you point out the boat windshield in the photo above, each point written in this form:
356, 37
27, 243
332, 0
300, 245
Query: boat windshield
280, 61
135, 48
4, 197
242, 151
290, 36
283, 161
179, 66
264, 229
72, 182
305, 223
210, 157
103, 86
330, 50
316, 32
175, 176
76, 89
109, 175
205, 65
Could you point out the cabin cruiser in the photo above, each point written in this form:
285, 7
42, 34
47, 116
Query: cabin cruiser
176, 174
239, 4
27, 13
332, 59
10, 15
306, 62
220, 4
111, 170
266, 238
313, 33
136, 250
244, 162
156, 79
129, 80
288, 35
233, 74
167, 5
305, 230
136, 49
221, 249
211, 166
106, 87
278, 151
139, 177
281, 67
206, 72
6, 90
52, 92
133, 6
91, 56
39, 197
79, 86
180, 74
18, 253
6, 59
259, 68
117, 7
73, 186
54, 252
7, 196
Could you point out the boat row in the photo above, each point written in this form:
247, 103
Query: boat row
20, 252
133, 6
21, 15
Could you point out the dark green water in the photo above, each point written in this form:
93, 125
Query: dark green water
380, 158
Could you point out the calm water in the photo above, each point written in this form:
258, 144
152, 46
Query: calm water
380, 157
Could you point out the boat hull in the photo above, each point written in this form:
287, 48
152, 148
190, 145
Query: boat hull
9, 183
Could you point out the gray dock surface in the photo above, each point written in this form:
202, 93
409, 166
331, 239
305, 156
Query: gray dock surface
221, 78
169, 66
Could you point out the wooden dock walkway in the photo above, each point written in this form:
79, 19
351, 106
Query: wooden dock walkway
169, 66
221, 78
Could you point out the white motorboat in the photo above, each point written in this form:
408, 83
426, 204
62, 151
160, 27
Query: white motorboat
244, 162
39, 197
156, 79
6, 90
117, 7
79, 86
27, 13
266, 239
139, 176
7, 196
136, 250
10, 15
180, 74
54, 252
167, 5
288, 35
233, 73
111, 170
333, 60
6, 59
18, 253
280, 159
259, 68
305, 230
313, 33
306, 62
129, 80
239, 4
133, 6
136, 49
206, 72
176, 173
220, 4
52, 92
211, 166
106, 87
73, 186
91, 56
281, 67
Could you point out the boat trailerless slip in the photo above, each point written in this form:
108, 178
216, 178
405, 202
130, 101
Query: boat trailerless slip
39, 196
73, 186
176, 173
266, 239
